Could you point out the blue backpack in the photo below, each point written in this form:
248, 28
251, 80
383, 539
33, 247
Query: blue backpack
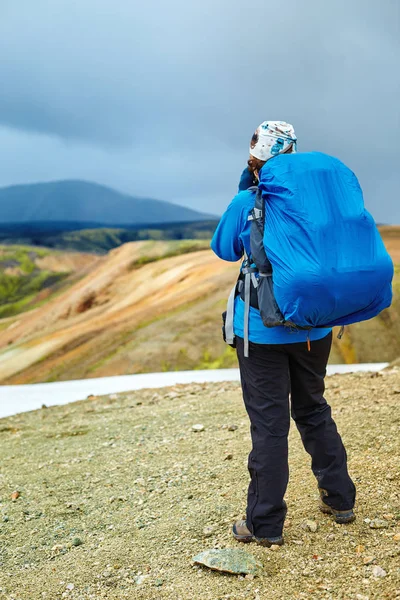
320, 260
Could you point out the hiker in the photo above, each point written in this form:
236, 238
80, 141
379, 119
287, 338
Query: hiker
276, 362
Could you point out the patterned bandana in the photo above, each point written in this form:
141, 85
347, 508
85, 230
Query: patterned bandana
272, 138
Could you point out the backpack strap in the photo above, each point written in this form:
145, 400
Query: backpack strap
230, 310
249, 273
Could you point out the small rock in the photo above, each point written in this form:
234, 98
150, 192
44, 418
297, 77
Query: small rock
6, 519
113, 397
70, 587
390, 476
330, 537
396, 536
158, 582
44, 406
361, 597
368, 560
275, 547
15, 495
310, 526
388, 516
208, 531
228, 457
377, 571
107, 574
378, 524
190, 497
140, 579
360, 549
229, 560
77, 542
198, 427
287, 523
232, 427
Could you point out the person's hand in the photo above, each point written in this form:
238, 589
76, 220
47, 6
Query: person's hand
247, 180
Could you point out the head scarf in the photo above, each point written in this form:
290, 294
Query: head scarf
272, 138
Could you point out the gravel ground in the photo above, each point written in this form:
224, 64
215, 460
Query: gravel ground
112, 497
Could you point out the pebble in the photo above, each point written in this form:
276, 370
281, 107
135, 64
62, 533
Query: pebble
275, 548
310, 526
388, 516
377, 571
70, 586
378, 524
198, 427
360, 548
228, 457
368, 560
232, 427
362, 597
15, 495
396, 537
158, 582
77, 542
208, 531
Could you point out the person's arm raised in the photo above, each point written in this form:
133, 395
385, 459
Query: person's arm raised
226, 242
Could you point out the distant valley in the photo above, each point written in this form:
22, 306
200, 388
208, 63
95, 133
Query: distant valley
80, 215
143, 307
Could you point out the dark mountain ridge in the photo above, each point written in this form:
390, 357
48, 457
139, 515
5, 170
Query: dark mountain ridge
86, 203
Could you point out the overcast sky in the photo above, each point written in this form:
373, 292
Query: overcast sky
160, 98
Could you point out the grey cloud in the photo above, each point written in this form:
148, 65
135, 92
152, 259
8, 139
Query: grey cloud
164, 96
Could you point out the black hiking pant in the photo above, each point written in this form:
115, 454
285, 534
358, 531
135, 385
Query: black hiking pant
268, 376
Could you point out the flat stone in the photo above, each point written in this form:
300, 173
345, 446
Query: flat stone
229, 560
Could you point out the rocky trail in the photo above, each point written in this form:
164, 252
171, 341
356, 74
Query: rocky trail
113, 496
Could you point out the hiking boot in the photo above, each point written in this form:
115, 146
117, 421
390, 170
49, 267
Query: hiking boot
242, 534
341, 516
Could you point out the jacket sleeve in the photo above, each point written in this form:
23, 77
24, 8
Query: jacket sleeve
226, 242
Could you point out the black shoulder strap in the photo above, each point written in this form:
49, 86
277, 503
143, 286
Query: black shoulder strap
257, 217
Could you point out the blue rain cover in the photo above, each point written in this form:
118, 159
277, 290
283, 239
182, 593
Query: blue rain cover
330, 266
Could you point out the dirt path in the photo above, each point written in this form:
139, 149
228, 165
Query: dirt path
116, 493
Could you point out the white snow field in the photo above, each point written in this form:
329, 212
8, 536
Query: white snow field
21, 398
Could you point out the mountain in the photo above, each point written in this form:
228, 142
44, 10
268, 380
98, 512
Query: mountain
83, 202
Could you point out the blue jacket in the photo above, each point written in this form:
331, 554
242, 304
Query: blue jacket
230, 238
